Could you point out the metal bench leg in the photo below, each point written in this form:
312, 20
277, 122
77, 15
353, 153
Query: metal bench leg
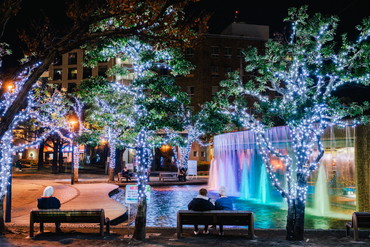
355, 234
31, 229
41, 226
348, 230
107, 223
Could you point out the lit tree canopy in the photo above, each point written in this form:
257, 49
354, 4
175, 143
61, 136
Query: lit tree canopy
293, 83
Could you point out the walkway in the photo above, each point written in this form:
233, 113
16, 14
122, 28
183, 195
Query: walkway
77, 196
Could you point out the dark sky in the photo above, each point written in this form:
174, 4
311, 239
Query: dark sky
272, 12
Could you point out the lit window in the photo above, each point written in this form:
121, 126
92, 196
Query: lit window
57, 74
72, 73
203, 154
195, 153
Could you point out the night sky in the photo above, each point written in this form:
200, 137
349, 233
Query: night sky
264, 12
272, 12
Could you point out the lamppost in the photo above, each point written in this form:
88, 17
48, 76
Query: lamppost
72, 123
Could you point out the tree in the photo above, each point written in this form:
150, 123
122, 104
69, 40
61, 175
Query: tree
109, 114
158, 22
293, 83
199, 127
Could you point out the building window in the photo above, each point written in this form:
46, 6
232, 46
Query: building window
71, 87
102, 70
58, 60
203, 154
72, 58
195, 153
72, 74
191, 90
215, 51
214, 71
239, 52
189, 52
87, 73
214, 90
57, 74
227, 52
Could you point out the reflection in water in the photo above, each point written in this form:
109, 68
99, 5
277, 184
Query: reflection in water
166, 201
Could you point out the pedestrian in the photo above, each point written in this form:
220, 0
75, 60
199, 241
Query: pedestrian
18, 165
223, 203
126, 174
201, 203
47, 201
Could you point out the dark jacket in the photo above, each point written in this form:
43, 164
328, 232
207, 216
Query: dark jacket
200, 204
48, 203
224, 203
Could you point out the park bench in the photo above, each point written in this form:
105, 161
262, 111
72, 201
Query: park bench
124, 179
215, 217
359, 219
169, 175
69, 216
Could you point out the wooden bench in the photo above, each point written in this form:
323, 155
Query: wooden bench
124, 179
68, 216
215, 217
170, 175
359, 219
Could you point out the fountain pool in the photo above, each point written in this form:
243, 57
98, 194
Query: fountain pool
166, 201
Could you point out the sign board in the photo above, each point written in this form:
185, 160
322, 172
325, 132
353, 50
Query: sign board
130, 166
131, 193
192, 167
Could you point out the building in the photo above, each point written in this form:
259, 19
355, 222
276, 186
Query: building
214, 57
68, 71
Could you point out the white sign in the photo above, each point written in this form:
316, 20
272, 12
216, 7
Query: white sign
130, 166
131, 193
192, 167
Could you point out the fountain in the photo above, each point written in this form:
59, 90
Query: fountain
321, 200
238, 166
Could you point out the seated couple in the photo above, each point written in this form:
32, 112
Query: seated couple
203, 203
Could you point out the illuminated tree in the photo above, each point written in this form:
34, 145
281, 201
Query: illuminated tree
293, 84
68, 25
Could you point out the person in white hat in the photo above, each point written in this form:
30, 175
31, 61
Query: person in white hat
223, 203
48, 201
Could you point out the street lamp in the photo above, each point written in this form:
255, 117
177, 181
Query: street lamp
72, 123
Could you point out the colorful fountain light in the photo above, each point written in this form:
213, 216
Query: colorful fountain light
238, 166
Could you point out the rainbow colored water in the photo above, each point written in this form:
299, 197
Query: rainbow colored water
238, 166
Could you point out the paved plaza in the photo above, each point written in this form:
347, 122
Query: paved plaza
92, 191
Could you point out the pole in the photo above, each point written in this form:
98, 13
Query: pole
8, 206
72, 165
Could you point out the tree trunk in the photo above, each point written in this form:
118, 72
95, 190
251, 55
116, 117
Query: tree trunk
54, 167
111, 174
295, 220
362, 159
60, 157
40, 162
2, 222
119, 160
140, 220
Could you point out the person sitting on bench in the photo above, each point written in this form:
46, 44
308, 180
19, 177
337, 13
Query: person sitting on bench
126, 174
182, 174
47, 201
201, 203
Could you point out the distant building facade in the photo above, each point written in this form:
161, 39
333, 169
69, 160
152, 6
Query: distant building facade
214, 57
